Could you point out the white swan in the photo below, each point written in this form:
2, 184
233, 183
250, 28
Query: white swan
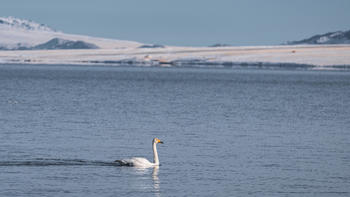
143, 162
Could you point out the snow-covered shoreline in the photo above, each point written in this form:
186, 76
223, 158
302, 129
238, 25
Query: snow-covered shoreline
284, 56
27, 42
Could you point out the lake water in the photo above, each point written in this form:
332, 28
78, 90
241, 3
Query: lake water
227, 132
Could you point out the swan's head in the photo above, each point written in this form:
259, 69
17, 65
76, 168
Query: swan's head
156, 140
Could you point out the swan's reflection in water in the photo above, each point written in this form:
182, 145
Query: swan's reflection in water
143, 180
156, 182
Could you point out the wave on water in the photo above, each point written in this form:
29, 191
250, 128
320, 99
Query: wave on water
57, 162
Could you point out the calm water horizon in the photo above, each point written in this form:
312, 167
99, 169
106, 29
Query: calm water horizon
227, 132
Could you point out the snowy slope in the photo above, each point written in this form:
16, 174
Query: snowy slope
16, 33
338, 37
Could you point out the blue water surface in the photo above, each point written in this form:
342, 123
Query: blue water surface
227, 132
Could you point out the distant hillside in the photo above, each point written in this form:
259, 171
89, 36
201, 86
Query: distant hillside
338, 37
55, 43
22, 24
58, 43
21, 34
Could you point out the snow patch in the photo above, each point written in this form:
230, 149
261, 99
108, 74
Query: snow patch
323, 39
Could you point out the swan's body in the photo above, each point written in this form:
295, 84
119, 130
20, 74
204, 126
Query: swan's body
143, 162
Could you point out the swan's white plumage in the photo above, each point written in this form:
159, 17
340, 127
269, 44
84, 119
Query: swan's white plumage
137, 162
143, 162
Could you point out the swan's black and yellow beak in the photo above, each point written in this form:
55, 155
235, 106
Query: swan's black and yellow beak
160, 141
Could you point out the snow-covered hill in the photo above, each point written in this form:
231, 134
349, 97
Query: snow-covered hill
24, 24
338, 37
25, 34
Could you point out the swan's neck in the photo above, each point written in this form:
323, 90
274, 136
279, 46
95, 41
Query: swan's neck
155, 154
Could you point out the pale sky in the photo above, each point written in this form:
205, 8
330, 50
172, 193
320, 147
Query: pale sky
188, 22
